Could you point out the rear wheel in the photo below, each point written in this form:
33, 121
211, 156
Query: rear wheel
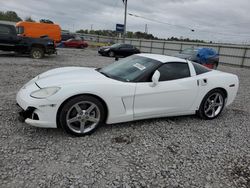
82, 115
216, 65
37, 53
212, 104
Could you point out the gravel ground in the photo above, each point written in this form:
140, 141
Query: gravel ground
168, 152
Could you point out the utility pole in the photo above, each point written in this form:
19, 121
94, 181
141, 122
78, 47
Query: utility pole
146, 28
125, 19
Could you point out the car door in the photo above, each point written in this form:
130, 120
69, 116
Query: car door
75, 43
174, 94
8, 39
125, 50
69, 43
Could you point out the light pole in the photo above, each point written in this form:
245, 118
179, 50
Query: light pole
125, 19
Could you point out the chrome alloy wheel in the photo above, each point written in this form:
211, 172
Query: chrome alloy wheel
37, 54
83, 117
213, 105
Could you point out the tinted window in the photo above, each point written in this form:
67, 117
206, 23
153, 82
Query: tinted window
125, 46
130, 68
200, 69
4, 30
115, 45
128, 46
173, 71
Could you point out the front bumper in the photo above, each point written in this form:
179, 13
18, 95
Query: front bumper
36, 112
102, 52
50, 50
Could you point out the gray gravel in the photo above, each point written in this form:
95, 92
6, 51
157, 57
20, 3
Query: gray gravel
168, 152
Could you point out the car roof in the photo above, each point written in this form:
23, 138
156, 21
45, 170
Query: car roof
162, 58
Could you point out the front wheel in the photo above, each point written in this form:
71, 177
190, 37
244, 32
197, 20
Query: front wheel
81, 115
212, 104
111, 54
37, 53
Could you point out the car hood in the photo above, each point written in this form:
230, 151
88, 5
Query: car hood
105, 47
68, 75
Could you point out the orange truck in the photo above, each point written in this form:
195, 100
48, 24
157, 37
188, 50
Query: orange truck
37, 30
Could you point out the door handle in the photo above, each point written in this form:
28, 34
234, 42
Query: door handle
204, 81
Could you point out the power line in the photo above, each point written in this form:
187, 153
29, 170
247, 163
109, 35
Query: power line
157, 21
189, 28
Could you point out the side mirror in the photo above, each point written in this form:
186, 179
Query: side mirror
155, 78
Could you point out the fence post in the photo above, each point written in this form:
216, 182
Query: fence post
151, 46
140, 44
98, 38
243, 57
163, 49
219, 50
181, 47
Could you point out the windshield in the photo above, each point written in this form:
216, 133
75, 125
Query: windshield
20, 30
130, 68
115, 45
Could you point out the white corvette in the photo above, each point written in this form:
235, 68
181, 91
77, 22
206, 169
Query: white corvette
138, 87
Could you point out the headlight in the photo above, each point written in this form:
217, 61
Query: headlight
50, 43
106, 50
45, 92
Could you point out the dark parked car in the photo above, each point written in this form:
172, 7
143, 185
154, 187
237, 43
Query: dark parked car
75, 43
123, 50
36, 47
205, 56
67, 36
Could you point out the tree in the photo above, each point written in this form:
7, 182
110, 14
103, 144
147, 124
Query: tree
29, 19
9, 16
46, 21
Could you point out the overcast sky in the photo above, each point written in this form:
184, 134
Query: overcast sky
217, 20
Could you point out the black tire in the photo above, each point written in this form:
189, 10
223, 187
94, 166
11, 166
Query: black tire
37, 53
69, 112
216, 65
111, 54
206, 104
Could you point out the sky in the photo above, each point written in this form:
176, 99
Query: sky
211, 20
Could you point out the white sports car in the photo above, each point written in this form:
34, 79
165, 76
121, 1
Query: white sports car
137, 87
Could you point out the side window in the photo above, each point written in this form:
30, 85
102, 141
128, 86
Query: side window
200, 69
126, 46
129, 46
4, 30
20, 30
173, 71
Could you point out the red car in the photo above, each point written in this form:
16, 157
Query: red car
75, 43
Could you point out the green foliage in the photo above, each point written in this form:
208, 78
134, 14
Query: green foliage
185, 40
9, 16
46, 21
29, 19
138, 35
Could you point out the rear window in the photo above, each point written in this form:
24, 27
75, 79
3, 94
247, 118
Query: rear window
200, 69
